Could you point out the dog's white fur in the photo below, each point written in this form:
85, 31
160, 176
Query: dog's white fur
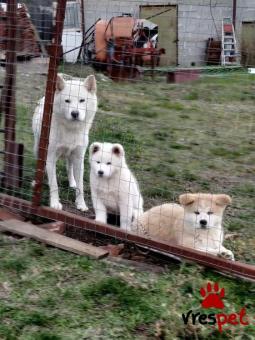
196, 223
113, 186
74, 108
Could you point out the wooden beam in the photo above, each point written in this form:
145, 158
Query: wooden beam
51, 238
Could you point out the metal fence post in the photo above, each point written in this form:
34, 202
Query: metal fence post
49, 98
13, 152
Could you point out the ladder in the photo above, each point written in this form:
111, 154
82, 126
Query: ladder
228, 46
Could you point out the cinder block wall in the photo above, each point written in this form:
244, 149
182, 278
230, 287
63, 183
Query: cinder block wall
197, 20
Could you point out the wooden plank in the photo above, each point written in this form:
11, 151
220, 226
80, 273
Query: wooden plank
9, 215
57, 226
51, 238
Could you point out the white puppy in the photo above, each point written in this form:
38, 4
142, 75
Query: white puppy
74, 108
196, 223
113, 186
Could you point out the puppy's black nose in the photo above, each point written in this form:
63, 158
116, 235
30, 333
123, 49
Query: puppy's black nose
203, 223
75, 114
100, 173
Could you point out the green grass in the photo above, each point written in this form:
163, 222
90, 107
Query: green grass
177, 137
193, 95
58, 295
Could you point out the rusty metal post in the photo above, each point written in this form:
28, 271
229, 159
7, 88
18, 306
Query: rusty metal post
10, 80
55, 52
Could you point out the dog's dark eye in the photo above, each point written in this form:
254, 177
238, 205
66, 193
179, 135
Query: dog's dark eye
210, 212
109, 163
197, 212
98, 162
68, 101
82, 100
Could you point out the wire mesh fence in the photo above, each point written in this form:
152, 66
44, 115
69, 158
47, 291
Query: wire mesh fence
146, 130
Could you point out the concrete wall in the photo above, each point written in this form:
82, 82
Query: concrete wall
197, 20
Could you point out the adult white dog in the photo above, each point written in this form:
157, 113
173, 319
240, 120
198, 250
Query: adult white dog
113, 186
74, 108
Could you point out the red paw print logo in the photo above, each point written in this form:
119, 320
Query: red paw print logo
212, 295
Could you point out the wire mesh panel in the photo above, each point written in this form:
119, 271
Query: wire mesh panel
146, 131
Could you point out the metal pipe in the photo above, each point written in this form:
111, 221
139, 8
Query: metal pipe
83, 28
234, 13
55, 52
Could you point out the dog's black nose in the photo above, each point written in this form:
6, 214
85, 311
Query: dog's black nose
100, 172
75, 114
203, 223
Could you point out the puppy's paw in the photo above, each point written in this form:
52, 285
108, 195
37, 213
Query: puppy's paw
81, 205
227, 254
101, 220
55, 204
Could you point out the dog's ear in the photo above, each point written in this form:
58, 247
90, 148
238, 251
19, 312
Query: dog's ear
223, 200
186, 199
60, 84
118, 150
94, 148
90, 84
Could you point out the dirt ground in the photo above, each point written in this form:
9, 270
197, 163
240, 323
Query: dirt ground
31, 80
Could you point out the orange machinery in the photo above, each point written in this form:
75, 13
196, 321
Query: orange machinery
125, 43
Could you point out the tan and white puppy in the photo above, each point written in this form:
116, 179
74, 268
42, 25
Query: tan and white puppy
195, 223
113, 186
74, 108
